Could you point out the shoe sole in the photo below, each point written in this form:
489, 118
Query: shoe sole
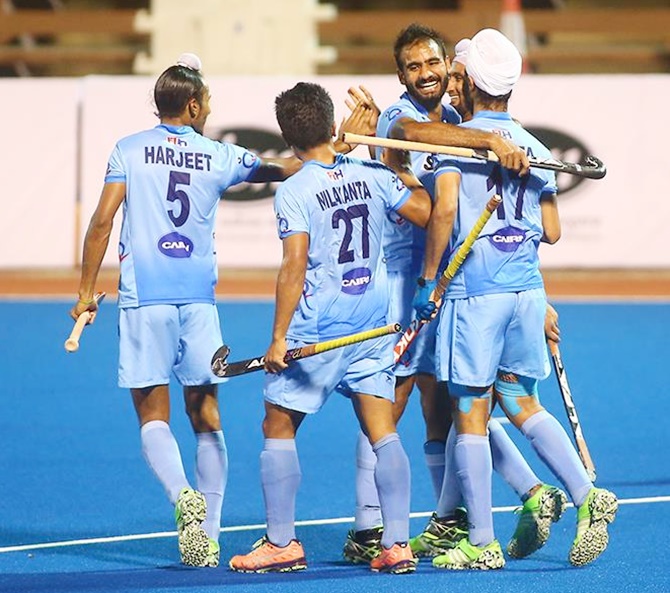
193, 540
402, 567
193, 546
595, 539
192, 507
552, 506
283, 567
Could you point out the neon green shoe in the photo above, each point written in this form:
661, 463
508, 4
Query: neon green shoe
189, 513
465, 556
361, 547
535, 518
441, 534
213, 554
593, 516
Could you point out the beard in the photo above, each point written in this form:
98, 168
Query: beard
429, 102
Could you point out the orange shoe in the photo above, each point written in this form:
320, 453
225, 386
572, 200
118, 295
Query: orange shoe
398, 559
266, 557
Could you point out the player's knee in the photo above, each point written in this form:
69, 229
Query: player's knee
513, 390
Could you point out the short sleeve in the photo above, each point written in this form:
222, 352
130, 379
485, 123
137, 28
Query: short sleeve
291, 213
550, 186
116, 171
238, 161
396, 192
447, 165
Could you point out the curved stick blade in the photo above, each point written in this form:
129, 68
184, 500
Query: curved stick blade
595, 167
219, 362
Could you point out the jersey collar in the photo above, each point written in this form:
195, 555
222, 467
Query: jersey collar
501, 115
176, 129
420, 108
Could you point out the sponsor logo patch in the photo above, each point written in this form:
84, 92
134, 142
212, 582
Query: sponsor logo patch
175, 245
508, 238
356, 281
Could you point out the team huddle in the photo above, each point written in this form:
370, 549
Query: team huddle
364, 243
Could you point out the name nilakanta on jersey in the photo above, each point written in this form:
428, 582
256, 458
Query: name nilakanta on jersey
159, 155
343, 194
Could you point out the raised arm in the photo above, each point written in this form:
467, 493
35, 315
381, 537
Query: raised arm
362, 119
276, 169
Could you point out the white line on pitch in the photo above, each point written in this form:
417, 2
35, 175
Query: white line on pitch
311, 522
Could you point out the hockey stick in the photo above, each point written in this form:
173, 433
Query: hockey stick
222, 368
72, 343
593, 168
453, 267
571, 411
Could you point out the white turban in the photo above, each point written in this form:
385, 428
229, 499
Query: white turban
493, 62
461, 49
190, 61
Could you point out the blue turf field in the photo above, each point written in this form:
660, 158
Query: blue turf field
72, 471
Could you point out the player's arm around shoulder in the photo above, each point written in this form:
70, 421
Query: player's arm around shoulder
551, 223
509, 154
277, 169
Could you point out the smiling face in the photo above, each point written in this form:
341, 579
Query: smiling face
424, 72
459, 90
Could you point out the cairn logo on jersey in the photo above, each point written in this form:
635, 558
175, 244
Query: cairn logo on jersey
508, 238
175, 245
356, 281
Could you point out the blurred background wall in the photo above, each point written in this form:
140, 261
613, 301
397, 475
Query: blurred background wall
76, 75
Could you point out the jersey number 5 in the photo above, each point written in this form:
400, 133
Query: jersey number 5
178, 195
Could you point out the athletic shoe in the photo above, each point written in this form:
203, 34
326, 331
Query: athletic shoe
266, 557
189, 512
466, 556
361, 547
593, 515
441, 534
213, 555
535, 518
398, 559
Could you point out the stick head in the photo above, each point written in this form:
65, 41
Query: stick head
219, 362
595, 168
71, 345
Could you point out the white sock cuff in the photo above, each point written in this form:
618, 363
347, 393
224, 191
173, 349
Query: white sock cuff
214, 437
534, 420
154, 425
279, 445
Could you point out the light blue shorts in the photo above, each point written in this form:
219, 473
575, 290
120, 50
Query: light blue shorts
156, 340
478, 336
305, 385
420, 356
